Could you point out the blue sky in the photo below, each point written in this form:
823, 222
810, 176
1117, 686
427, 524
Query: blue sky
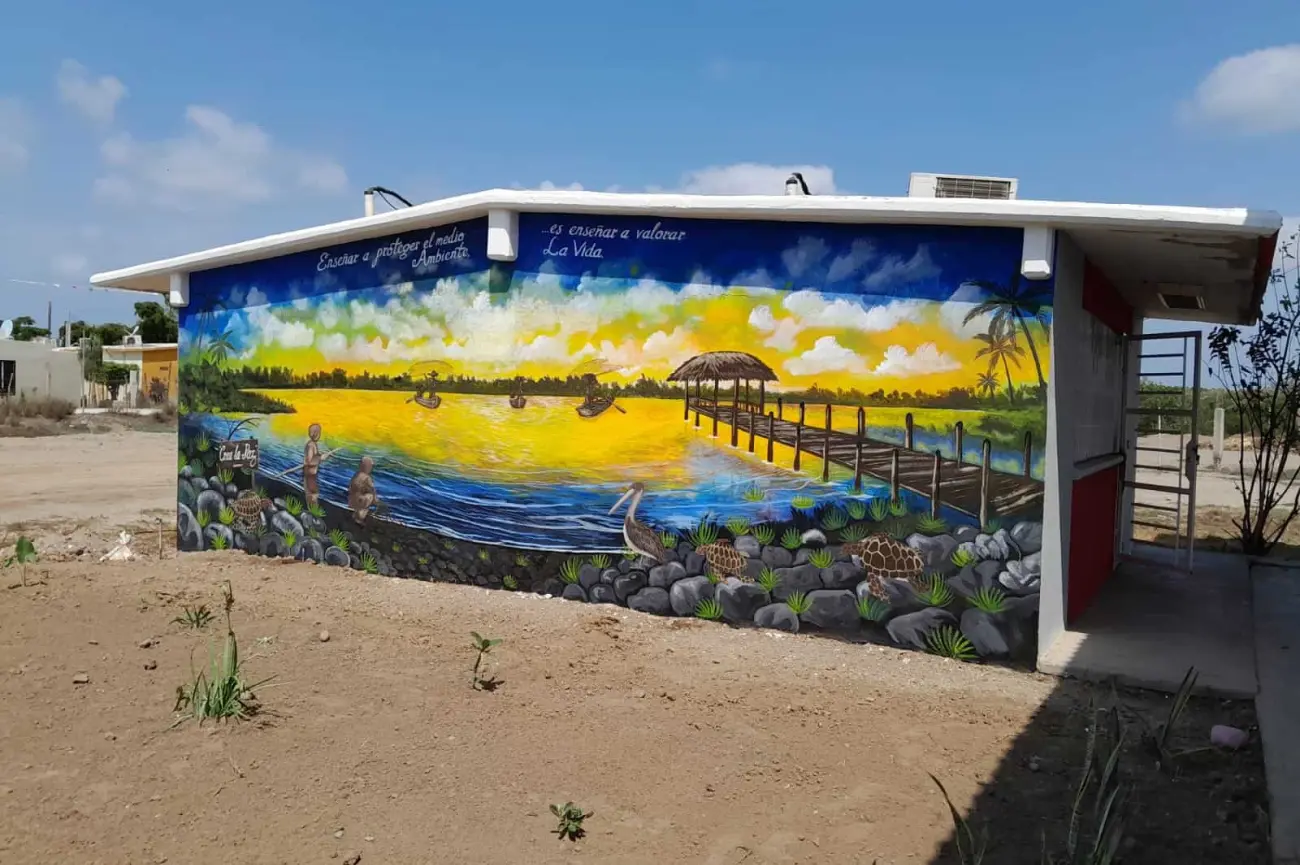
153, 129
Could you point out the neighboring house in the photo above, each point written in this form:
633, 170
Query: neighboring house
37, 369
154, 370
909, 419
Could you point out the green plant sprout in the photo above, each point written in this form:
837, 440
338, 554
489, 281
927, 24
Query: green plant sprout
181, 463
879, 509
706, 532
708, 608
482, 645
194, 617
898, 508
369, 563
448, 544
712, 576
834, 519
24, 554
397, 548
293, 505
601, 561
1158, 737
226, 516
799, 603
764, 534
992, 526
791, 539
961, 557
522, 561
934, 591
203, 518
218, 543
822, 558
422, 560
855, 533
509, 583
928, 525
339, 539
570, 817
262, 493
484, 555
225, 476
290, 540
569, 571
768, 580
669, 540
857, 509
739, 526
948, 642
316, 510
202, 443
970, 847
897, 529
221, 693
753, 493
803, 503
989, 599
872, 609
631, 555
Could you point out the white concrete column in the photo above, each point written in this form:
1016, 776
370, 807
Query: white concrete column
1038, 252
179, 293
503, 235
1218, 437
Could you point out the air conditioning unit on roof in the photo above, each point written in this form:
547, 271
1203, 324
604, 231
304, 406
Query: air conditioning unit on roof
922, 185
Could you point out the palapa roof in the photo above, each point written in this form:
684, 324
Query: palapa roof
723, 365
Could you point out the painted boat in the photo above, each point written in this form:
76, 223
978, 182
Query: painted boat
595, 407
518, 401
431, 401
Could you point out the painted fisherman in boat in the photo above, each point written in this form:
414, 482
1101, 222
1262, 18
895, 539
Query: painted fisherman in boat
591, 389
428, 386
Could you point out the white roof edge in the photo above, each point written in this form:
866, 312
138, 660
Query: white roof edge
813, 208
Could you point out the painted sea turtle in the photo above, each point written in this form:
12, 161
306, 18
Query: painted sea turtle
882, 557
724, 560
248, 508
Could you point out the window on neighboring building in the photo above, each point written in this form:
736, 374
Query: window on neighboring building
8, 377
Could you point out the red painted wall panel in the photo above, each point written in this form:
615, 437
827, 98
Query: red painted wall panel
1093, 502
1104, 301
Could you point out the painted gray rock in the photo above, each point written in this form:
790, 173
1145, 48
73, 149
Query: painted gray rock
832, 609
739, 601
186, 495
574, 592
964, 534
694, 564
972, 578
628, 585
777, 557
936, 551
609, 575
804, 578
602, 593
748, 546
211, 502
272, 546
663, 576
283, 522
686, 594
899, 594
335, 556
778, 617
651, 600
982, 630
841, 575
1027, 536
219, 531
1022, 576
309, 550
189, 536
911, 629
588, 576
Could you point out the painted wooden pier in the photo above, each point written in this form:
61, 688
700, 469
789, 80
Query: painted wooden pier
975, 489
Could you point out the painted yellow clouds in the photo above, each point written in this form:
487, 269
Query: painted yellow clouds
540, 328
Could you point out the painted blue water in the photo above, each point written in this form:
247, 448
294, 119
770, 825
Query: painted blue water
572, 517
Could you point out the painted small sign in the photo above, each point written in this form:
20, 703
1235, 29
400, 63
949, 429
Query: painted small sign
241, 454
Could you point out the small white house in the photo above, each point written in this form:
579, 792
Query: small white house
38, 369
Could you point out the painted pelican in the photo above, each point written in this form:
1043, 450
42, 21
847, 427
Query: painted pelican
639, 537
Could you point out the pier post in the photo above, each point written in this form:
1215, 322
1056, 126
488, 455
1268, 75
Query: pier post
798, 445
697, 402
780, 408
893, 477
735, 411
986, 457
715, 408
802, 409
934, 487
686, 412
746, 393
826, 447
857, 467
771, 420
1029, 451
752, 421
762, 397
959, 435
862, 422
908, 431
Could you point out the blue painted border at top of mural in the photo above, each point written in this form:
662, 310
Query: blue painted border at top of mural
924, 262
428, 253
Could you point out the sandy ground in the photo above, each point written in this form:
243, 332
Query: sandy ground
690, 741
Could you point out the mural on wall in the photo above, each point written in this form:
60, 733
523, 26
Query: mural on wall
784, 424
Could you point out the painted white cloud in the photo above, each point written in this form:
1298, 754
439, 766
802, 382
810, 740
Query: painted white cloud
952, 314
753, 178
804, 255
781, 332
216, 159
1252, 93
826, 355
15, 135
810, 309
896, 270
93, 98
851, 263
925, 359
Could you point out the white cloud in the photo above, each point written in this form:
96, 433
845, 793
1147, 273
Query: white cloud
753, 178
813, 309
850, 263
804, 255
896, 270
15, 134
1252, 93
781, 332
94, 98
826, 355
216, 160
69, 264
548, 185
926, 359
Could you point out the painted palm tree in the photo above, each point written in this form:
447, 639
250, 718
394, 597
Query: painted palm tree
1011, 308
987, 384
1001, 347
220, 347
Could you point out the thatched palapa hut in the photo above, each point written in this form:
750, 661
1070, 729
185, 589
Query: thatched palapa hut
717, 366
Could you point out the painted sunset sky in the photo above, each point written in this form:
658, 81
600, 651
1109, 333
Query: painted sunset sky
837, 306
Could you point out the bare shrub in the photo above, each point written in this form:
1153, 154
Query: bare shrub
14, 409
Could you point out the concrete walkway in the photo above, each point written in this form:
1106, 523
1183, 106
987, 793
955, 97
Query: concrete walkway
1277, 652
1149, 623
